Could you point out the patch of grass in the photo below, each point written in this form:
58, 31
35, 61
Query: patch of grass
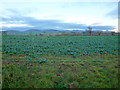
61, 72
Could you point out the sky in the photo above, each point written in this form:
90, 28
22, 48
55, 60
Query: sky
59, 14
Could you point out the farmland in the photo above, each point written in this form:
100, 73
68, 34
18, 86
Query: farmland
30, 61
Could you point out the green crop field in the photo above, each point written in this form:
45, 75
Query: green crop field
30, 61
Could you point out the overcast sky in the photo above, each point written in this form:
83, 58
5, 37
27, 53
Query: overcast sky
56, 14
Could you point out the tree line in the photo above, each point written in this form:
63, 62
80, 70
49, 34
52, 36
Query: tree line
88, 32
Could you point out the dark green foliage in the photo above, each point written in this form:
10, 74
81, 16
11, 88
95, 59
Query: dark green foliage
74, 46
42, 61
60, 61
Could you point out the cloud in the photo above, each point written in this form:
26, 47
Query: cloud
59, 0
103, 27
16, 21
113, 14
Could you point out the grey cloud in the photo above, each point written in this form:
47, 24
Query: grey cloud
103, 27
12, 10
44, 24
96, 23
113, 14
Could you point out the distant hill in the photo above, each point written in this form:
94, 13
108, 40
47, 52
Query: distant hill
51, 31
13, 32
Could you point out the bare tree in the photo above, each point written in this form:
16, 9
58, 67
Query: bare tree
112, 33
99, 33
89, 30
4, 32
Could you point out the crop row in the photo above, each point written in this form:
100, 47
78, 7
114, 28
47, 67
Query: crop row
74, 46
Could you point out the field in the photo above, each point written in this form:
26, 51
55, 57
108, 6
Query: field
60, 61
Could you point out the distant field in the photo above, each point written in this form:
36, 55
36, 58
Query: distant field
60, 61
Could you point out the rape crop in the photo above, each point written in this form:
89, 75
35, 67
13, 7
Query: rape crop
31, 61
